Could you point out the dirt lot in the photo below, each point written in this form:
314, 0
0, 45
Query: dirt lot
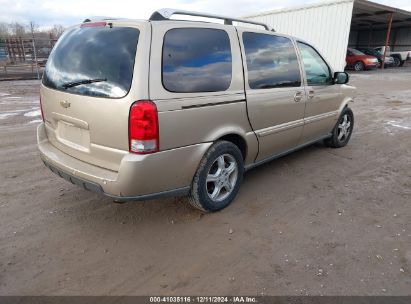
319, 221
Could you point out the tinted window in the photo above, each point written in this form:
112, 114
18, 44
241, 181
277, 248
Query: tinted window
317, 71
366, 51
196, 60
356, 52
102, 53
379, 51
271, 61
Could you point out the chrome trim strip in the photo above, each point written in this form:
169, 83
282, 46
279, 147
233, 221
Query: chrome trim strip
294, 124
320, 116
211, 104
279, 128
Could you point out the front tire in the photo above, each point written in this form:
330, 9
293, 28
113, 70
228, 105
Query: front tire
359, 66
342, 131
218, 178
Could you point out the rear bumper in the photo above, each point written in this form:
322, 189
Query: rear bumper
140, 177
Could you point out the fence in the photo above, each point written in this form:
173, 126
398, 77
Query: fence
24, 58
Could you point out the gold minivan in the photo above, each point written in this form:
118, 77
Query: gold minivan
137, 109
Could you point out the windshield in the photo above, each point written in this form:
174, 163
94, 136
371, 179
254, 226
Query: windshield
356, 52
86, 54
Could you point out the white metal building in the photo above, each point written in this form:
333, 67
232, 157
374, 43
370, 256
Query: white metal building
332, 26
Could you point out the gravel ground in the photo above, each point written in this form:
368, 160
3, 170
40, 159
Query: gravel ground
317, 222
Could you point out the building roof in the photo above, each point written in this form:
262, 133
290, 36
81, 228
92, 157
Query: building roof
297, 8
366, 14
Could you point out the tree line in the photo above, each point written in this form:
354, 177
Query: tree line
16, 29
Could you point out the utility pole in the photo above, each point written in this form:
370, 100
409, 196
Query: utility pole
34, 48
387, 40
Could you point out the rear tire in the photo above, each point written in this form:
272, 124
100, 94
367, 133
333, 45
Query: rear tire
359, 66
342, 131
218, 178
397, 62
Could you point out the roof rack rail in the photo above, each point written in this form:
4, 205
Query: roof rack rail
166, 13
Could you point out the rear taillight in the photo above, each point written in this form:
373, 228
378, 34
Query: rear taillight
41, 108
143, 127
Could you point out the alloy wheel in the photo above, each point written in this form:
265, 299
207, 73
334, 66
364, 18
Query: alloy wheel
344, 128
222, 177
358, 66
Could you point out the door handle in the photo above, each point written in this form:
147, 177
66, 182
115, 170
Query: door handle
311, 94
298, 96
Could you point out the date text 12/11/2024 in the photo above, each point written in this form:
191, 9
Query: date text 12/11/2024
203, 299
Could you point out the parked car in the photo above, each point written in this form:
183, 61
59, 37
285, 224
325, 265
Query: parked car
389, 60
141, 109
359, 61
399, 57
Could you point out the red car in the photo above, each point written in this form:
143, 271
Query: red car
359, 61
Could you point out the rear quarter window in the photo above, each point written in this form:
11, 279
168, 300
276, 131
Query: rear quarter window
89, 53
196, 60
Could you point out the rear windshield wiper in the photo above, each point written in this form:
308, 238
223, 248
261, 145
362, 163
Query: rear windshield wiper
83, 81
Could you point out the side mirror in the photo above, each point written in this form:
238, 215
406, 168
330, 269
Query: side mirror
341, 78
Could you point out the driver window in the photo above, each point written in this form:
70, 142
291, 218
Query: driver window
316, 70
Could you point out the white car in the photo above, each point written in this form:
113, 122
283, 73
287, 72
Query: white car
399, 57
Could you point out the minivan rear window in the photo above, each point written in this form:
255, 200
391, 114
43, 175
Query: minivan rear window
93, 61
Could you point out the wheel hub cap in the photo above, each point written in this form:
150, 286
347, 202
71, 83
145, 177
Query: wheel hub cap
222, 177
344, 128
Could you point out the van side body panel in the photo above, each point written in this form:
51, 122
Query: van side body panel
322, 105
192, 118
276, 117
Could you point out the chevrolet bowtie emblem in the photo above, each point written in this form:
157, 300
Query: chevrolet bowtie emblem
65, 104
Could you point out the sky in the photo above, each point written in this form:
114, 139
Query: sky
46, 13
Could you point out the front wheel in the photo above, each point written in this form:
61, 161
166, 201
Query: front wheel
342, 131
218, 178
359, 66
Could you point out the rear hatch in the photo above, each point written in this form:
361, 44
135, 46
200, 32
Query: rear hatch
85, 92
